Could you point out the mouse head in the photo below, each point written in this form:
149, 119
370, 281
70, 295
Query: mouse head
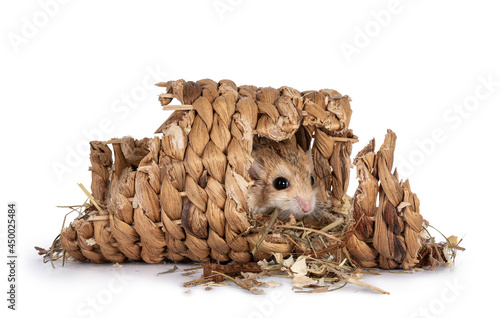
283, 179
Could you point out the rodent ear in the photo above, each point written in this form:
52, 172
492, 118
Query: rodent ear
255, 171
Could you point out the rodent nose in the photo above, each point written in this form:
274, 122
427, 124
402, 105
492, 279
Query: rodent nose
306, 206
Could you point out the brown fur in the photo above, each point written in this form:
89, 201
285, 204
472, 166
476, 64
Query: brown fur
273, 160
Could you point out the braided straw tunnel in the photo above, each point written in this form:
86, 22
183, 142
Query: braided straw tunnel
181, 196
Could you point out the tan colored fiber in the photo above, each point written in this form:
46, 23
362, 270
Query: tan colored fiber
394, 232
182, 195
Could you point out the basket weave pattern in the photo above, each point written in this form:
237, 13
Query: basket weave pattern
203, 156
388, 235
181, 196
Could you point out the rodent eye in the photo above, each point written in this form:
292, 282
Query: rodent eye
312, 180
281, 183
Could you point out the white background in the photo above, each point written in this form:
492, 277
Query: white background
85, 69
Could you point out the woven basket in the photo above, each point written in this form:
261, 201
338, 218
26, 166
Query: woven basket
181, 196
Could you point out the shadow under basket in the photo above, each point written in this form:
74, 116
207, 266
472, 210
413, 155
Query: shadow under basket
181, 195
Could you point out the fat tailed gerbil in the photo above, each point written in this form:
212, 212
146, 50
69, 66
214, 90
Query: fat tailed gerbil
282, 175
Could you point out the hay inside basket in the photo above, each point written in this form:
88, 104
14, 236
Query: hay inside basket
181, 196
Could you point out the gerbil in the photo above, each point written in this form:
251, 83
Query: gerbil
282, 177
